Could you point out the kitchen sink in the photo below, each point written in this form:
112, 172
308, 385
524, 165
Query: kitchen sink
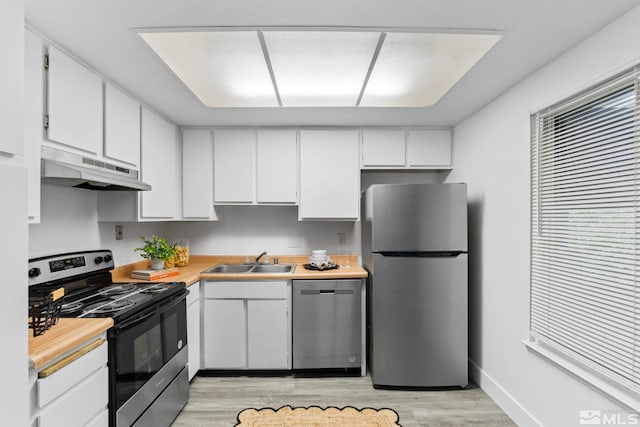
272, 268
229, 268
243, 268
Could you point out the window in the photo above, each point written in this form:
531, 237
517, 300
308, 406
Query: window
585, 235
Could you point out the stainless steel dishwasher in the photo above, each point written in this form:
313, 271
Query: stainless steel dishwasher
327, 316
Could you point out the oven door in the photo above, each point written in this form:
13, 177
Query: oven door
140, 347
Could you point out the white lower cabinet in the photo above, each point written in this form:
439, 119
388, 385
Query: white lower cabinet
73, 391
246, 325
193, 328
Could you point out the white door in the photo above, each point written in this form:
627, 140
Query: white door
121, 126
159, 167
329, 174
383, 148
197, 173
75, 104
277, 169
234, 166
225, 334
429, 148
267, 334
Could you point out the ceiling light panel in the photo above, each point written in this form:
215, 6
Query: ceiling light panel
223, 69
417, 69
320, 68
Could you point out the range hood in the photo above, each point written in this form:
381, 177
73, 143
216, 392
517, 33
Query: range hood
71, 170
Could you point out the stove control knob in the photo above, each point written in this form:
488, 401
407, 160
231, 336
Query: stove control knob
108, 258
34, 272
98, 260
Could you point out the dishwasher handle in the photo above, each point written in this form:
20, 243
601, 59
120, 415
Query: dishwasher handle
326, 292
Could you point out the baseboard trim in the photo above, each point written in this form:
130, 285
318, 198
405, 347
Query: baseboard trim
503, 399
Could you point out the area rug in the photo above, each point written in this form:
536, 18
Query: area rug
315, 416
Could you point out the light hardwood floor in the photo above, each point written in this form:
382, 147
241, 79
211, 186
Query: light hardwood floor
215, 401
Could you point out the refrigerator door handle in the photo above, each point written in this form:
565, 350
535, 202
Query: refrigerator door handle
430, 254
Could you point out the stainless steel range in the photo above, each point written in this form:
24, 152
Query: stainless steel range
148, 380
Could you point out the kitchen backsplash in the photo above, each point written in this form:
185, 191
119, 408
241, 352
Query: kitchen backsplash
69, 222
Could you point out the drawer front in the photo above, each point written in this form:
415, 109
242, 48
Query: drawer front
64, 379
194, 293
246, 290
79, 405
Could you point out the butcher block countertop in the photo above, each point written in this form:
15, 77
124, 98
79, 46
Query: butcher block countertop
70, 333
193, 272
63, 337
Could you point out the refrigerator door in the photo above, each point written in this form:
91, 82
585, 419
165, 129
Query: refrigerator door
417, 217
418, 309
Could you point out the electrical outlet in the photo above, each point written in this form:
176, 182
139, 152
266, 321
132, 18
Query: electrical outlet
295, 240
342, 239
119, 232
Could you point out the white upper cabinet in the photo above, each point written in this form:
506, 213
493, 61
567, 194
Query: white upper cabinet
121, 126
429, 148
234, 166
11, 98
74, 104
277, 167
160, 167
329, 174
383, 148
406, 149
33, 114
197, 174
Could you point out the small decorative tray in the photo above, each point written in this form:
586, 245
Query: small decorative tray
321, 267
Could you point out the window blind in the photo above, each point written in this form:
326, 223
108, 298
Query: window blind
585, 206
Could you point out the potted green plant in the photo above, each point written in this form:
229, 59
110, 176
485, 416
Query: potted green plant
157, 250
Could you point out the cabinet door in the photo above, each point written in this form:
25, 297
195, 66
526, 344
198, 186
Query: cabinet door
224, 334
329, 174
429, 148
193, 329
33, 115
159, 167
11, 98
234, 166
197, 173
383, 148
121, 126
277, 161
267, 334
75, 104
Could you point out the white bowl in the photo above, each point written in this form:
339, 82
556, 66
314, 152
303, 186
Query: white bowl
319, 252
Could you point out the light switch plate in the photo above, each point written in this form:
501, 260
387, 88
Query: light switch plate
119, 232
295, 240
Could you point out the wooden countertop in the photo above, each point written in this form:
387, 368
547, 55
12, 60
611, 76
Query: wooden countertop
199, 263
63, 337
70, 333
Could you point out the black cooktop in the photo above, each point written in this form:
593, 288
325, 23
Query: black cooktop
117, 300
89, 291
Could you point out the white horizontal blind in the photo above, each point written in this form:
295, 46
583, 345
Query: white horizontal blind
584, 228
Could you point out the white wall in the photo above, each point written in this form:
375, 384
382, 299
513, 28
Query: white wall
69, 222
13, 220
491, 152
253, 229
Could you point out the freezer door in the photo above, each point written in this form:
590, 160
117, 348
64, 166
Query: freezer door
418, 321
417, 217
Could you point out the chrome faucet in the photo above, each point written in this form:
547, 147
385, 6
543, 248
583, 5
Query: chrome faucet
260, 256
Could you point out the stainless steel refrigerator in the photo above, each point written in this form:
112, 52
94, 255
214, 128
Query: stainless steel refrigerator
414, 239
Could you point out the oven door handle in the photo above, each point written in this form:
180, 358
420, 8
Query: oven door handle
134, 321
